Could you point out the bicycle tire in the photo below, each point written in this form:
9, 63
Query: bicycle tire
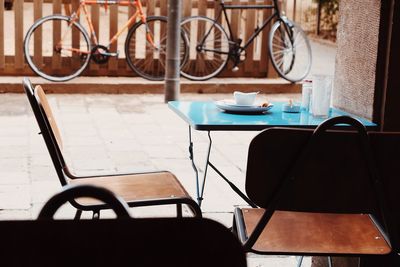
142, 57
290, 54
42, 65
202, 65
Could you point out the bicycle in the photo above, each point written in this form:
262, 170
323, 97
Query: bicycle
211, 48
145, 44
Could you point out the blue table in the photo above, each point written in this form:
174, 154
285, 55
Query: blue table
206, 116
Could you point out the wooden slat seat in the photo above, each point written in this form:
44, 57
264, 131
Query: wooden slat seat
316, 233
136, 187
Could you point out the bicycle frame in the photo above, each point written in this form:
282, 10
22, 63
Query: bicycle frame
225, 7
92, 33
223, 12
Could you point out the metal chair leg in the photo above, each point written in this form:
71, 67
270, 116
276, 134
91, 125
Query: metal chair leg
234, 228
179, 210
96, 215
330, 261
300, 261
78, 214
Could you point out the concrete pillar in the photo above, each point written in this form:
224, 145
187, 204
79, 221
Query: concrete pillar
172, 86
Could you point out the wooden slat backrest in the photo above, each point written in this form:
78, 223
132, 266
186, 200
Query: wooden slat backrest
39, 94
334, 178
48, 136
126, 242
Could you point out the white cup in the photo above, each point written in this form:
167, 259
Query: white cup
321, 95
245, 99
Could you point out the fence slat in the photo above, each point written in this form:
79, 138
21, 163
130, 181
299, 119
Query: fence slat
2, 57
38, 36
19, 31
235, 21
56, 62
264, 58
150, 8
95, 15
202, 8
113, 63
271, 73
202, 11
131, 11
75, 34
250, 26
187, 8
164, 8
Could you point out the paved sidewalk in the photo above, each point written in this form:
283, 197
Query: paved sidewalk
117, 133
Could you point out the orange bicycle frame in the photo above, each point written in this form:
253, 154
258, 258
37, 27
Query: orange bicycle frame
138, 12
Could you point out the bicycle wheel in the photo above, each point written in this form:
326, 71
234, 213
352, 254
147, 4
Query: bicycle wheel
63, 55
289, 50
208, 48
145, 48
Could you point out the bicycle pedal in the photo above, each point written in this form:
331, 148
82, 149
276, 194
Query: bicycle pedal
235, 69
109, 54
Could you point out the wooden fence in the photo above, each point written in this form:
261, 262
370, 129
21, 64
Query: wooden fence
15, 23
309, 15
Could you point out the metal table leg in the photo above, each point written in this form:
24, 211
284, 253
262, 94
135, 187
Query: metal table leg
233, 186
200, 187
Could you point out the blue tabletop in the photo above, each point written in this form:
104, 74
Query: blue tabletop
206, 116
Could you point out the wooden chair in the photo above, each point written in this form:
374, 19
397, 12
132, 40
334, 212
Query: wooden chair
137, 189
150, 242
386, 148
318, 191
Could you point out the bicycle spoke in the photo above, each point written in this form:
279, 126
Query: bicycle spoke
281, 48
296, 39
208, 44
279, 63
137, 45
290, 56
280, 52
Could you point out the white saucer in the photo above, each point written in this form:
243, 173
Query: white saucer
230, 106
233, 103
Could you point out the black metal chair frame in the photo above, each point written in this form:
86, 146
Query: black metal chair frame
124, 241
290, 175
71, 192
63, 172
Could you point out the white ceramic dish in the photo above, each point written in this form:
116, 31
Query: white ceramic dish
230, 106
234, 104
245, 99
